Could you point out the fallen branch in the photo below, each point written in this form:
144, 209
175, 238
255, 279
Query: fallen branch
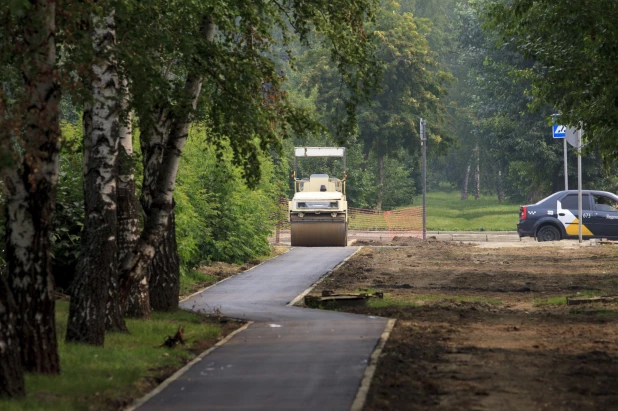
587, 300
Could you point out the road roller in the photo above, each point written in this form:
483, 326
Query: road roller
318, 213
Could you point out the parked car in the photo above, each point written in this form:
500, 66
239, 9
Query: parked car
557, 216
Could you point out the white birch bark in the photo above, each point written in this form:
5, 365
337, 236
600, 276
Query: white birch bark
163, 272
464, 186
380, 182
99, 249
477, 175
31, 195
135, 263
128, 225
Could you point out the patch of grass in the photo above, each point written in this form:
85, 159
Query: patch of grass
446, 212
541, 302
487, 300
106, 378
364, 291
190, 281
600, 312
389, 302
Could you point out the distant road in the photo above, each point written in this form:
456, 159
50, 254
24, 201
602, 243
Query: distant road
481, 236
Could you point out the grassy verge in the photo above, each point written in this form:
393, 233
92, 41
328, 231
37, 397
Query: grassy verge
110, 377
551, 301
194, 281
389, 302
491, 301
446, 212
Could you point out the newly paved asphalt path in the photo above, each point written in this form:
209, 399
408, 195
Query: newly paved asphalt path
291, 358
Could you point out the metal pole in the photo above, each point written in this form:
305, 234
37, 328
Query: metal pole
566, 170
579, 182
424, 146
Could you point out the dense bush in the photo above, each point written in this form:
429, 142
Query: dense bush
219, 218
69, 212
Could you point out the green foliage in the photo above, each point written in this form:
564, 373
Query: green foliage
69, 212
219, 218
242, 95
493, 112
573, 46
103, 375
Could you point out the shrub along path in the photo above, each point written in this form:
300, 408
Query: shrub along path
291, 357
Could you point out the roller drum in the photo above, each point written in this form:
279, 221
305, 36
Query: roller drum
318, 232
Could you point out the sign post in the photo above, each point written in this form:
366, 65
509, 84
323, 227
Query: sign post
560, 132
574, 137
579, 182
423, 134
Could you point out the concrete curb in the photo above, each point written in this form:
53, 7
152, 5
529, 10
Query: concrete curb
363, 390
138, 403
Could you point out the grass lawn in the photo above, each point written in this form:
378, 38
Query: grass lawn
446, 212
110, 377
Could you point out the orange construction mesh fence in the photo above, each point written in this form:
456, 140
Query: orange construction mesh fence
363, 224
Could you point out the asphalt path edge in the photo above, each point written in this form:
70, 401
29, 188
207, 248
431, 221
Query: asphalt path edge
141, 401
363, 390
227, 278
312, 286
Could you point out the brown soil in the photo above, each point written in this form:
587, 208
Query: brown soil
477, 337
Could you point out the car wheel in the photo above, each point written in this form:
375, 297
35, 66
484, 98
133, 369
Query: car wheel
548, 233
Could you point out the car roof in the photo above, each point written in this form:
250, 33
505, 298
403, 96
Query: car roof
557, 194
593, 192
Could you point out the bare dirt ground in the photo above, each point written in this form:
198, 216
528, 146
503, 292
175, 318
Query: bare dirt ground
475, 331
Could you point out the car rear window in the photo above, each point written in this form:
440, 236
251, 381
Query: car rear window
570, 202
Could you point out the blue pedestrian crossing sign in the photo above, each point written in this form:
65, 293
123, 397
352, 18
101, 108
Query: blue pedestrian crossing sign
559, 131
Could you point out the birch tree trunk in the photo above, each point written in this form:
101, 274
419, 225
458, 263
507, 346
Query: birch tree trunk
163, 273
477, 175
464, 186
128, 225
31, 196
135, 264
98, 261
499, 186
380, 182
11, 370
164, 270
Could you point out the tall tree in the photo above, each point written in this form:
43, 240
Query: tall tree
412, 85
572, 44
137, 304
89, 293
242, 97
31, 181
